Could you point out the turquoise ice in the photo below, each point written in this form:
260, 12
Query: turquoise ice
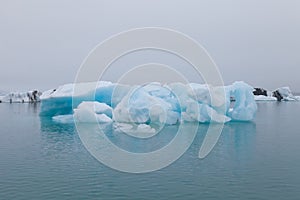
151, 103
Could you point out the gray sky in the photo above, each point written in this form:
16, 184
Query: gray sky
43, 43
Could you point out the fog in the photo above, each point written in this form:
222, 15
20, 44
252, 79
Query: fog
43, 43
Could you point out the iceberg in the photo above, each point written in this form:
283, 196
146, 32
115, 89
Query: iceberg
93, 112
21, 97
61, 101
98, 108
284, 93
152, 103
87, 112
280, 94
244, 108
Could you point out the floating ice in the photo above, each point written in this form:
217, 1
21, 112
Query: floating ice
145, 128
150, 103
87, 112
280, 94
96, 107
264, 98
244, 107
64, 119
135, 130
92, 112
21, 97
286, 94
59, 101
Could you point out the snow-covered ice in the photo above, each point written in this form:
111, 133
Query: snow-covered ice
59, 101
264, 98
135, 130
287, 94
92, 112
280, 94
21, 97
98, 108
87, 112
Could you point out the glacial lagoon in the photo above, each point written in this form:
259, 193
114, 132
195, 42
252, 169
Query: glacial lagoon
41, 159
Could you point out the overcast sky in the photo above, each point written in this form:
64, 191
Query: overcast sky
43, 43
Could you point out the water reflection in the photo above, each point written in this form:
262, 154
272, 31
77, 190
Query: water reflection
50, 126
58, 140
101, 147
238, 141
237, 138
142, 145
45, 160
34, 107
240, 133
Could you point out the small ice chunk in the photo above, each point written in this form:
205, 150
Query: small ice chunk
85, 116
64, 119
103, 118
264, 98
96, 107
144, 128
139, 131
123, 126
92, 112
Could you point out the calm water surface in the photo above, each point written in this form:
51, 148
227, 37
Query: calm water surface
40, 159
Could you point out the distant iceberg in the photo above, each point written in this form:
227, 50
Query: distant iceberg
21, 97
285, 94
150, 103
280, 94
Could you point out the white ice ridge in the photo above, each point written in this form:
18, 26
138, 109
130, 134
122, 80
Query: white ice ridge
21, 97
151, 103
280, 94
287, 94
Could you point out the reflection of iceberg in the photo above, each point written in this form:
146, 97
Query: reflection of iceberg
57, 140
47, 125
234, 138
151, 103
238, 139
137, 155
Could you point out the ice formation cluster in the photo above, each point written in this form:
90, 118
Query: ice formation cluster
280, 94
150, 103
21, 97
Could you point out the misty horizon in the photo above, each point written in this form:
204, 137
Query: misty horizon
44, 43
